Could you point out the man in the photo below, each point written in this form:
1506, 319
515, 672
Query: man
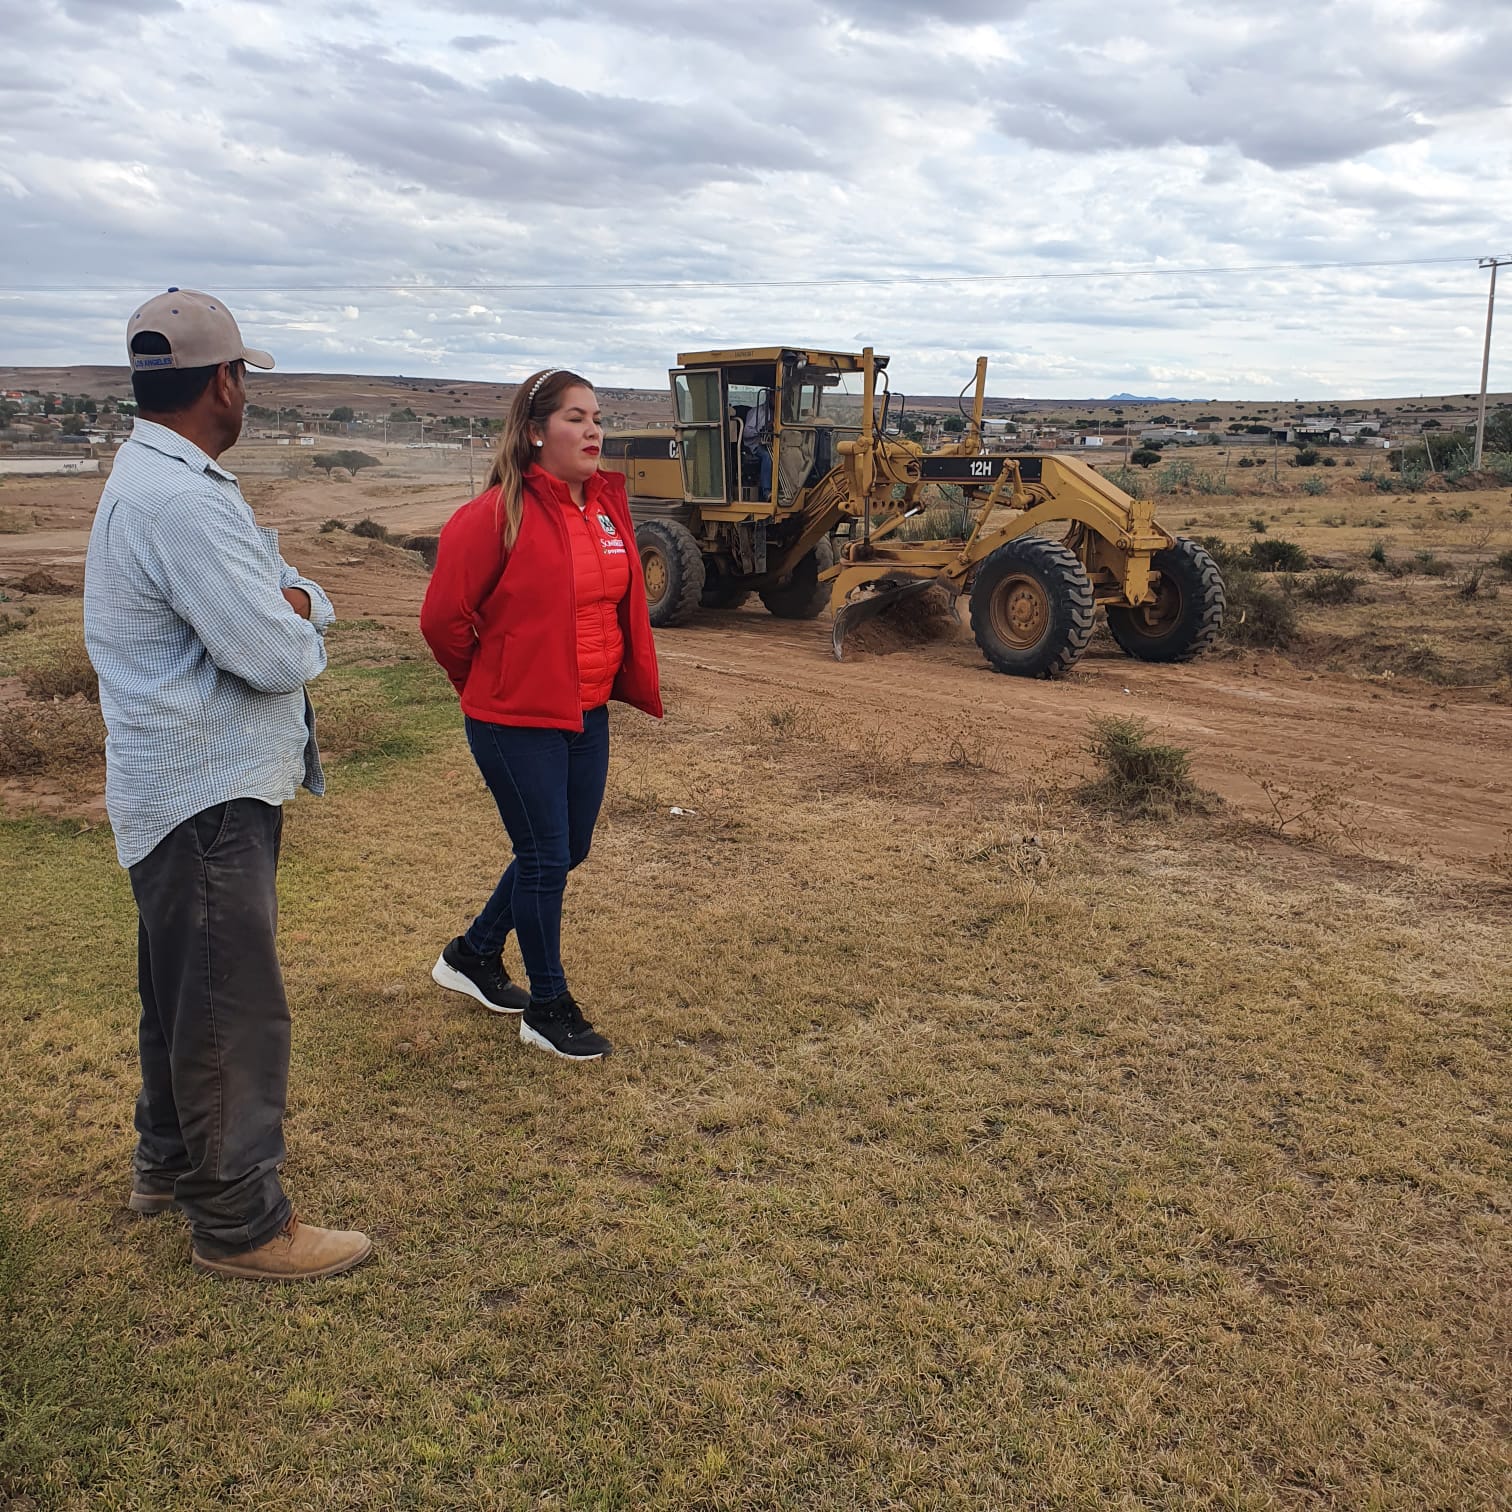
756, 440
203, 638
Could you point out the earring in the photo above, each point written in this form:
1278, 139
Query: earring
537, 443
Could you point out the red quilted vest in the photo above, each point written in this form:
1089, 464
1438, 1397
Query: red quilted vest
600, 578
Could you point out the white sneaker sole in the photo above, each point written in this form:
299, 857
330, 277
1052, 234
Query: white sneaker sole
529, 1036
444, 976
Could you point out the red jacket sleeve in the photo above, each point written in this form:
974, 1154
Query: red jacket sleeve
469, 559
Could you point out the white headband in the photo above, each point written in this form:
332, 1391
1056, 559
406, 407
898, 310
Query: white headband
549, 373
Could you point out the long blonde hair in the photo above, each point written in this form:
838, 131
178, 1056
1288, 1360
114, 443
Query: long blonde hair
535, 401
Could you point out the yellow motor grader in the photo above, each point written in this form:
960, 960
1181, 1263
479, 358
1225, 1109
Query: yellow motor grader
780, 477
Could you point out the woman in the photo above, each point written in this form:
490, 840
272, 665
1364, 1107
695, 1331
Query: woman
537, 613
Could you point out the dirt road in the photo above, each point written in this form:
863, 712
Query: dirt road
1412, 771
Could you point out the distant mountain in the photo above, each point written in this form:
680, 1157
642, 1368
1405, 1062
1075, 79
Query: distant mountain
1138, 399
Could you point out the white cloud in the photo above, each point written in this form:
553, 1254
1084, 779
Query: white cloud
503, 178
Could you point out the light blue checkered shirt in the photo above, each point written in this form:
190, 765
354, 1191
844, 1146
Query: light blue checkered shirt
202, 662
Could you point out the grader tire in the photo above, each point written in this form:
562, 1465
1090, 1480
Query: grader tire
1032, 608
673, 568
801, 595
1186, 614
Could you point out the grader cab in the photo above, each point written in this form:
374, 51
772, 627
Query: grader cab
780, 477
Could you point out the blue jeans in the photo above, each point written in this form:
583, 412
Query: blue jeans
549, 786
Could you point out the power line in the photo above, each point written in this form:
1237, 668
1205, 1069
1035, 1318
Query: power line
673, 285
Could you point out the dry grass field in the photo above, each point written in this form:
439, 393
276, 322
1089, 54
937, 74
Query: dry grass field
971, 1141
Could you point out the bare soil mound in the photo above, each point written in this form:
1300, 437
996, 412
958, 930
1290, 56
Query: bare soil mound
40, 580
918, 620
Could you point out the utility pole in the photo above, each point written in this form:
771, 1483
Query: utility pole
470, 487
1480, 426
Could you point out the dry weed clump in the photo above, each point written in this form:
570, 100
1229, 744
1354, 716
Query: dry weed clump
14, 522
62, 737
880, 764
64, 671
1137, 777
968, 748
13, 616
760, 723
353, 721
1321, 814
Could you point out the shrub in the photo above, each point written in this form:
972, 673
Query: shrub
1431, 566
1376, 556
425, 545
1211, 483
1136, 776
1504, 562
1327, 588
941, 522
1133, 483
1315, 486
1306, 457
1248, 462
1174, 475
1278, 555
370, 529
1227, 557
1146, 456
1420, 658
1330, 462
1476, 584
327, 526
1257, 524
1257, 614
353, 461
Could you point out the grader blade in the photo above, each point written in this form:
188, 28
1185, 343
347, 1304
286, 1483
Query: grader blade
882, 598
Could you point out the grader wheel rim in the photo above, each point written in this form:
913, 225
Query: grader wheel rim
1020, 611
1161, 614
654, 565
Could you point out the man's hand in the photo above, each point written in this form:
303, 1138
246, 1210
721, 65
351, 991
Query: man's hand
298, 600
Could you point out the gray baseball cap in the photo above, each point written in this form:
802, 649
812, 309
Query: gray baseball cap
200, 331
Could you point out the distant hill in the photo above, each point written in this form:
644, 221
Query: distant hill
1138, 399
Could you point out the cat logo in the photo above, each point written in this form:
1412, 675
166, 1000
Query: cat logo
607, 523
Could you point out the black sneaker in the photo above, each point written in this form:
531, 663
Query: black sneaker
480, 977
559, 1027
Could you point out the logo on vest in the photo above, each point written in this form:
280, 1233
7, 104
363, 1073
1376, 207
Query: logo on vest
607, 523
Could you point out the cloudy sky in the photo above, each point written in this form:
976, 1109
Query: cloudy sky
1100, 198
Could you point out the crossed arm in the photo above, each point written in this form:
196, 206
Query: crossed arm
212, 565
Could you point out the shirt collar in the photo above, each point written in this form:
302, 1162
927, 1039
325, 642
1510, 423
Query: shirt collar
161, 439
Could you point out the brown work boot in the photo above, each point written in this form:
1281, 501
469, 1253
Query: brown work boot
149, 1203
297, 1252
